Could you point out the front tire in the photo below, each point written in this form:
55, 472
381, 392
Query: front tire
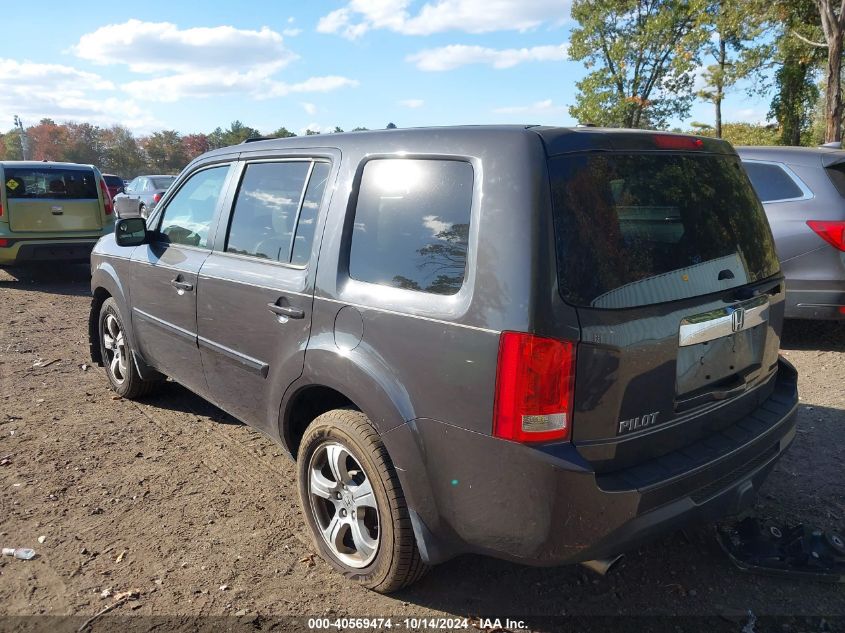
353, 503
116, 352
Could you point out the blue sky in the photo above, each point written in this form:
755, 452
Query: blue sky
156, 65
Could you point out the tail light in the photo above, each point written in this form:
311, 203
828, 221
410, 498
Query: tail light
4, 242
156, 197
107, 203
831, 232
1, 210
535, 380
669, 141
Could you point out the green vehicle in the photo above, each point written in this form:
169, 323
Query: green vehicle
51, 211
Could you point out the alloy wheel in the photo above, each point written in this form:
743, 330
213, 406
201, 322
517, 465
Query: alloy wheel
114, 344
344, 505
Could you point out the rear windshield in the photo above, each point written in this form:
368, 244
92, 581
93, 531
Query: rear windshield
837, 177
52, 183
163, 183
113, 181
636, 229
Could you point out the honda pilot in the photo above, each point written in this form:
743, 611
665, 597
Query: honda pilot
541, 344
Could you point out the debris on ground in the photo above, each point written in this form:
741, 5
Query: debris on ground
21, 553
800, 551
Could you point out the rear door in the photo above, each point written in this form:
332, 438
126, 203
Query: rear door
46, 198
165, 275
256, 287
670, 261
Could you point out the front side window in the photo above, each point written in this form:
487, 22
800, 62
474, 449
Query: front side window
411, 226
50, 183
771, 182
187, 218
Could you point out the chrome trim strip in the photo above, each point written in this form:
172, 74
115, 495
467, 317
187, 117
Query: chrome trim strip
252, 365
708, 326
165, 325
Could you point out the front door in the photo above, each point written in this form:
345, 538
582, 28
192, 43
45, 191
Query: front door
165, 274
256, 288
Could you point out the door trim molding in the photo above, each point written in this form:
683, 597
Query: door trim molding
253, 365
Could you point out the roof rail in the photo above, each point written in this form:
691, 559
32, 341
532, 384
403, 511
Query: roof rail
258, 138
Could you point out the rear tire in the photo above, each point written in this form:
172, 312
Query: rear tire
116, 352
142, 211
354, 505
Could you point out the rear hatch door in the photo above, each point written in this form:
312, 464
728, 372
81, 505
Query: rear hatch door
669, 260
52, 199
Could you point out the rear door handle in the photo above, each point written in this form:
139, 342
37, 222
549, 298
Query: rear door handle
287, 311
184, 286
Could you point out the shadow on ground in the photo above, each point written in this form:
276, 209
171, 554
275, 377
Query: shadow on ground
59, 278
174, 397
826, 336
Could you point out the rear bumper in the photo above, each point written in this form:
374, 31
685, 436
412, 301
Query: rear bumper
39, 250
545, 506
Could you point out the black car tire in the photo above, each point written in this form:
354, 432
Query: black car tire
123, 377
397, 562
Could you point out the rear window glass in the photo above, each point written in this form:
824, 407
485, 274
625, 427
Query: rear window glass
162, 183
52, 183
637, 229
113, 181
772, 183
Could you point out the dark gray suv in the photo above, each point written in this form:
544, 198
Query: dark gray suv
542, 344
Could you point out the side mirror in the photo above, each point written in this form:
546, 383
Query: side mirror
130, 231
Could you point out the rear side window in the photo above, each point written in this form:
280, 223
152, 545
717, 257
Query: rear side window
836, 173
411, 225
275, 210
637, 229
772, 183
51, 183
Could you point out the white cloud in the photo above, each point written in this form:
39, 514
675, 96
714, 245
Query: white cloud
412, 103
470, 16
457, 55
152, 47
35, 91
309, 108
201, 85
546, 106
291, 32
198, 62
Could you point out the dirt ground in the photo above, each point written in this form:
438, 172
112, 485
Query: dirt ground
176, 500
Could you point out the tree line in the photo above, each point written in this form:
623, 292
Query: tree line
116, 150
648, 61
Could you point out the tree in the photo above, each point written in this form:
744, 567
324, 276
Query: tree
390, 126
743, 133
310, 132
48, 141
121, 153
833, 29
733, 27
193, 145
642, 55
360, 129
796, 92
84, 144
283, 132
337, 129
237, 133
165, 153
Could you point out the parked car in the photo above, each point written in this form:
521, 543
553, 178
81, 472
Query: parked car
548, 359
803, 192
114, 184
141, 195
51, 211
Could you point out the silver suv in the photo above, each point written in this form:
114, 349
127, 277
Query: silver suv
803, 193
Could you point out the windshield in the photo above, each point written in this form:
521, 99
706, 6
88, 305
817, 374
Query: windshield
48, 182
636, 229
